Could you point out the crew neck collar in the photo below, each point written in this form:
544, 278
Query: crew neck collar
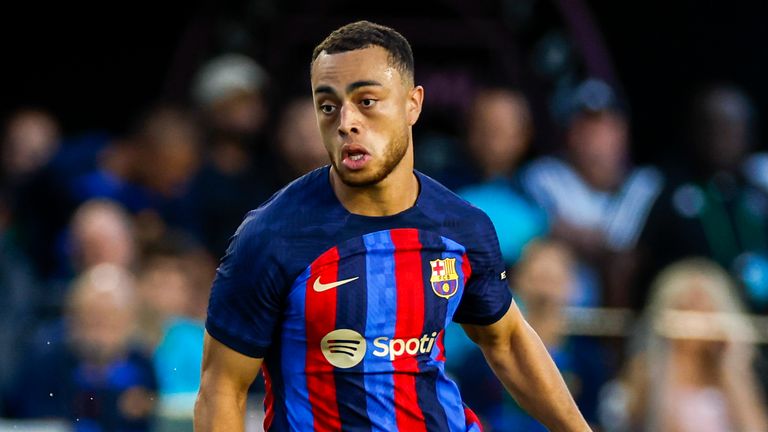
412, 209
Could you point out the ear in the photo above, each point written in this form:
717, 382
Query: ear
413, 104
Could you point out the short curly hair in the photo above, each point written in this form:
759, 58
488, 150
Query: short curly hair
364, 34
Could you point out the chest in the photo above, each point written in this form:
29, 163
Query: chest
388, 288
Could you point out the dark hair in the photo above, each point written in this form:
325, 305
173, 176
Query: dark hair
363, 34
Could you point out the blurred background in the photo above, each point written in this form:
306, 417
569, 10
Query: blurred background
616, 146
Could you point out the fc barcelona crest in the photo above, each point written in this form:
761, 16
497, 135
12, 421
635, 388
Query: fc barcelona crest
444, 279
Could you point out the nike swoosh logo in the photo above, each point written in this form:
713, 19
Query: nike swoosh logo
320, 287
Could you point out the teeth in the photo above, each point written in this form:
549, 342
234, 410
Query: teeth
356, 157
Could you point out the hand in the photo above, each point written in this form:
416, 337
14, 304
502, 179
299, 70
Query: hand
736, 357
136, 402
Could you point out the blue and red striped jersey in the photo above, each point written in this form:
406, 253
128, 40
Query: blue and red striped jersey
349, 311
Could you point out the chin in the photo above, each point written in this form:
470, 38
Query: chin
360, 179
363, 178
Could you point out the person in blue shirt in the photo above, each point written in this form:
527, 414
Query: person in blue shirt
499, 130
86, 370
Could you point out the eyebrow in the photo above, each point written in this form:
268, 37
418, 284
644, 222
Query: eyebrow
350, 88
357, 84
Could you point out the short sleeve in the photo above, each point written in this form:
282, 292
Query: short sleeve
486, 296
246, 298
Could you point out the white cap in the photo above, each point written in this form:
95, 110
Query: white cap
226, 75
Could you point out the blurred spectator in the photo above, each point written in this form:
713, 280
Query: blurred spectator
150, 173
31, 139
102, 232
173, 287
756, 170
499, 132
711, 209
114, 176
93, 376
542, 283
19, 297
164, 291
239, 172
693, 370
596, 200
230, 91
168, 159
169, 151
299, 143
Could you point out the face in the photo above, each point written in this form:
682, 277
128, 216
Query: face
165, 288
298, 139
723, 130
498, 131
365, 109
101, 327
31, 139
698, 335
598, 146
242, 113
101, 236
171, 154
544, 278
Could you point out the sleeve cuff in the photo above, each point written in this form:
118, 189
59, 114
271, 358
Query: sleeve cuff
486, 319
237, 344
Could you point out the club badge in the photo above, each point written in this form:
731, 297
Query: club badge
444, 279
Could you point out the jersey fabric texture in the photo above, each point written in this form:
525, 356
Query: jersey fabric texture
348, 311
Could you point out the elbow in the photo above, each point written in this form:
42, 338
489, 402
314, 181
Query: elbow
216, 391
203, 403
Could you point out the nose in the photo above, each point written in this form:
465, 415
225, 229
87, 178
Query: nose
349, 120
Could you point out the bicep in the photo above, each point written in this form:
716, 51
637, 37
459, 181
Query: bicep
499, 333
226, 370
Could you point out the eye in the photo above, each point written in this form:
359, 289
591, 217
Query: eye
368, 103
327, 108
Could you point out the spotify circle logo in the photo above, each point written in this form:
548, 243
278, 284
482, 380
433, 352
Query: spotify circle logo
343, 348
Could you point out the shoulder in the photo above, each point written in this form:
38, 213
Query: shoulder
262, 236
644, 186
459, 220
546, 164
297, 200
447, 207
648, 176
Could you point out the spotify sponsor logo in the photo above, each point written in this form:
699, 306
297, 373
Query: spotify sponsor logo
345, 348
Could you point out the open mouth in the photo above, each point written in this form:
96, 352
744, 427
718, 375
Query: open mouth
354, 157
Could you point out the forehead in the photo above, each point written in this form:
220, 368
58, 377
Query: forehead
372, 63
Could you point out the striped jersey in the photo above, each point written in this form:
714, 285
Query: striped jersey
349, 311
620, 215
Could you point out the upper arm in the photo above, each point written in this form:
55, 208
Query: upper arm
486, 296
226, 370
498, 334
246, 300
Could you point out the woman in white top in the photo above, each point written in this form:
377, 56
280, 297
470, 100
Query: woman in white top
695, 371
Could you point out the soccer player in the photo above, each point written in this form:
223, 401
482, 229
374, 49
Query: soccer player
341, 285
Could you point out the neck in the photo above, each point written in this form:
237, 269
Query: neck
229, 157
691, 369
395, 194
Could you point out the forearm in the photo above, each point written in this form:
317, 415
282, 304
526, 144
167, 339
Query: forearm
745, 400
524, 366
219, 411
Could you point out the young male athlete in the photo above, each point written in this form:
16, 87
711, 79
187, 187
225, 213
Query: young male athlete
341, 285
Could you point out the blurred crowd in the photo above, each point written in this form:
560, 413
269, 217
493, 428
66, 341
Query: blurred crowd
110, 242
